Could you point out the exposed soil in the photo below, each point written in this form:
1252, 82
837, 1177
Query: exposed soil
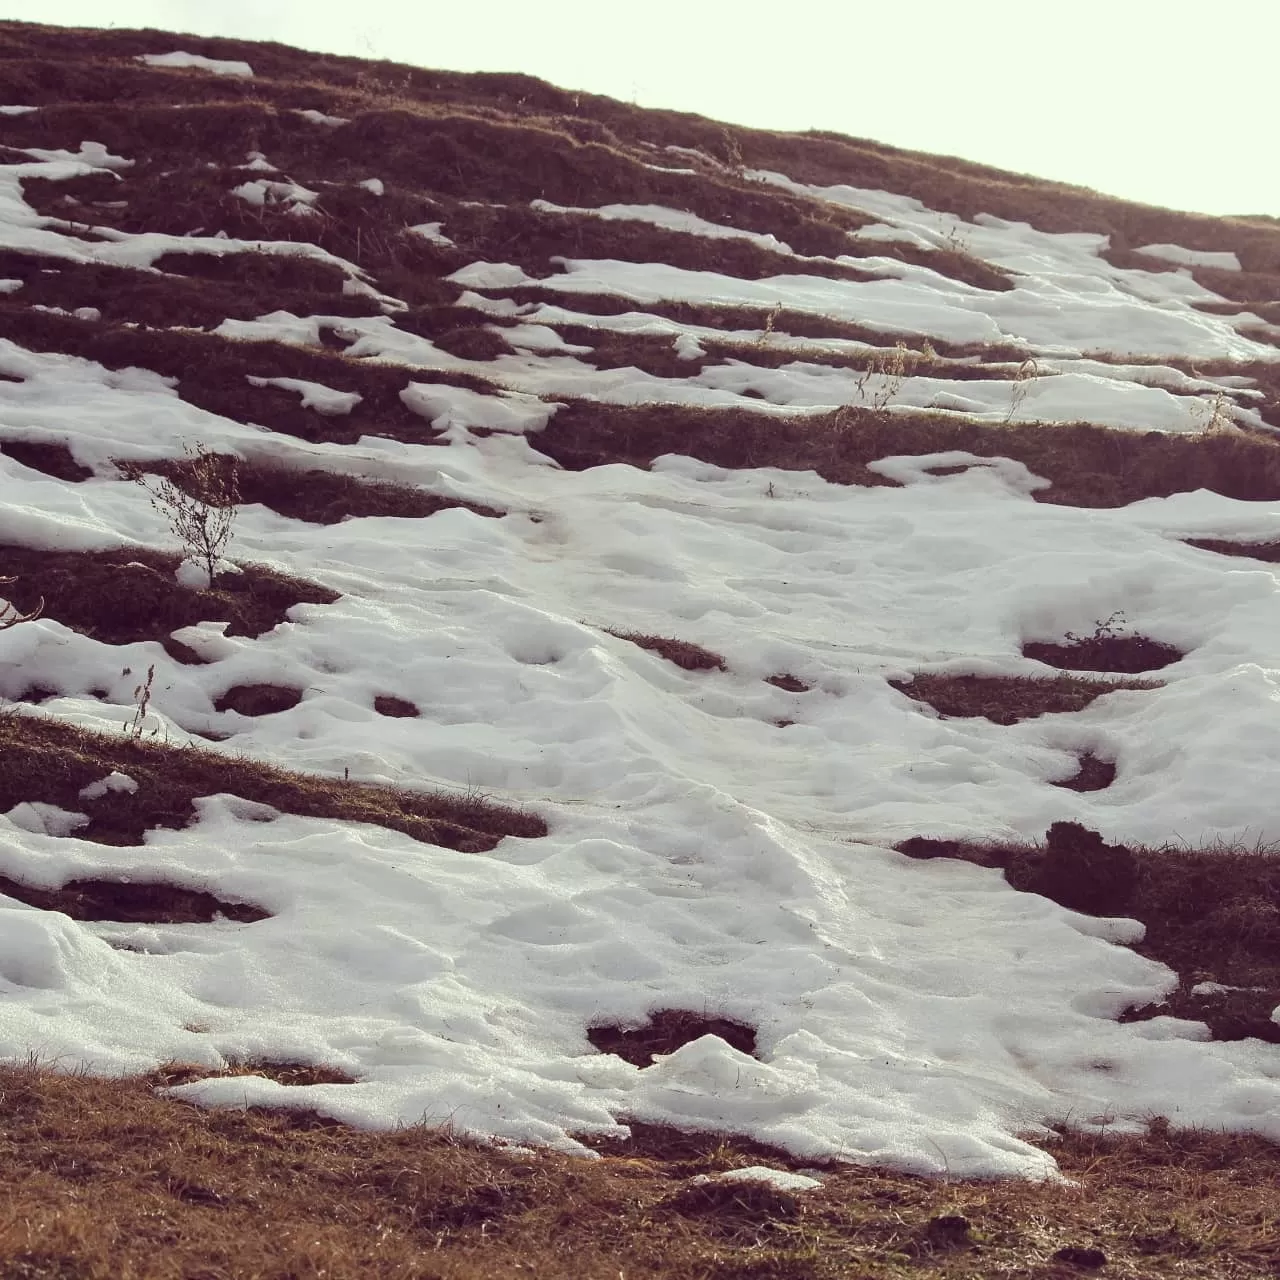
387, 704
131, 594
1093, 775
1212, 914
258, 699
213, 373
327, 497
1123, 654
132, 901
684, 653
1087, 466
733, 1207
665, 1031
1236, 1014
1010, 699
289, 1073
124, 295
1268, 551
788, 682
53, 459
101, 1179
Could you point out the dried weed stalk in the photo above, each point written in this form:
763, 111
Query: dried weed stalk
10, 617
1027, 372
1215, 415
142, 697
888, 369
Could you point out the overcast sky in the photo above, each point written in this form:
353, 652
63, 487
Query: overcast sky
1165, 102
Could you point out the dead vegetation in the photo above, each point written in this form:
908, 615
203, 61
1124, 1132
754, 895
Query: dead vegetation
1087, 466
102, 1179
123, 596
665, 1031
323, 497
1093, 774
684, 653
1009, 699
1211, 914
48, 761
131, 901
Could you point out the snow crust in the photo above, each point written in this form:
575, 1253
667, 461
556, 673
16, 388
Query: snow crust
1191, 257
324, 400
218, 66
781, 1179
716, 843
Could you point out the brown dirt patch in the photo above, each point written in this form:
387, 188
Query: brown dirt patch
46, 760
1128, 655
1266, 551
134, 901
213, 372
1087, 466
387, 704
1235, 1014
665, 1031
126, 295
789, 683
1211, 914
684, 653
258, 699
123, 596
53, 459
1093, 774
323, 497
1009, 699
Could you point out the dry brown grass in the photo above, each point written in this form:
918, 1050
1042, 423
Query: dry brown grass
1087, 466
1211, 914
131, 594
103, 1180
47, 760
684, 653
326, 497
1009, 699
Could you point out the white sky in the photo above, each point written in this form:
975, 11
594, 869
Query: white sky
1154, 100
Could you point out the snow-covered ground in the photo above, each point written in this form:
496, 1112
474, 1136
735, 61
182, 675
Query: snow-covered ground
700, 855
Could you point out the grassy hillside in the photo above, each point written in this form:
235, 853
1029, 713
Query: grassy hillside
766, 555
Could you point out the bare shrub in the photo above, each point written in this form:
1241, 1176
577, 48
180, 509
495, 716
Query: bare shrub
198, 500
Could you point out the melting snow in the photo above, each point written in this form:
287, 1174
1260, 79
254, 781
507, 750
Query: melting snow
218, 66
701, 855
1191, 257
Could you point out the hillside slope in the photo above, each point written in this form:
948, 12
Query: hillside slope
747, 633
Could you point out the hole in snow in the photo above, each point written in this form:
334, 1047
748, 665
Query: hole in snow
258, 699
133, 902
665, 1031
1092, 775
1009, 699
1102, 652
789, 682
386, 704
